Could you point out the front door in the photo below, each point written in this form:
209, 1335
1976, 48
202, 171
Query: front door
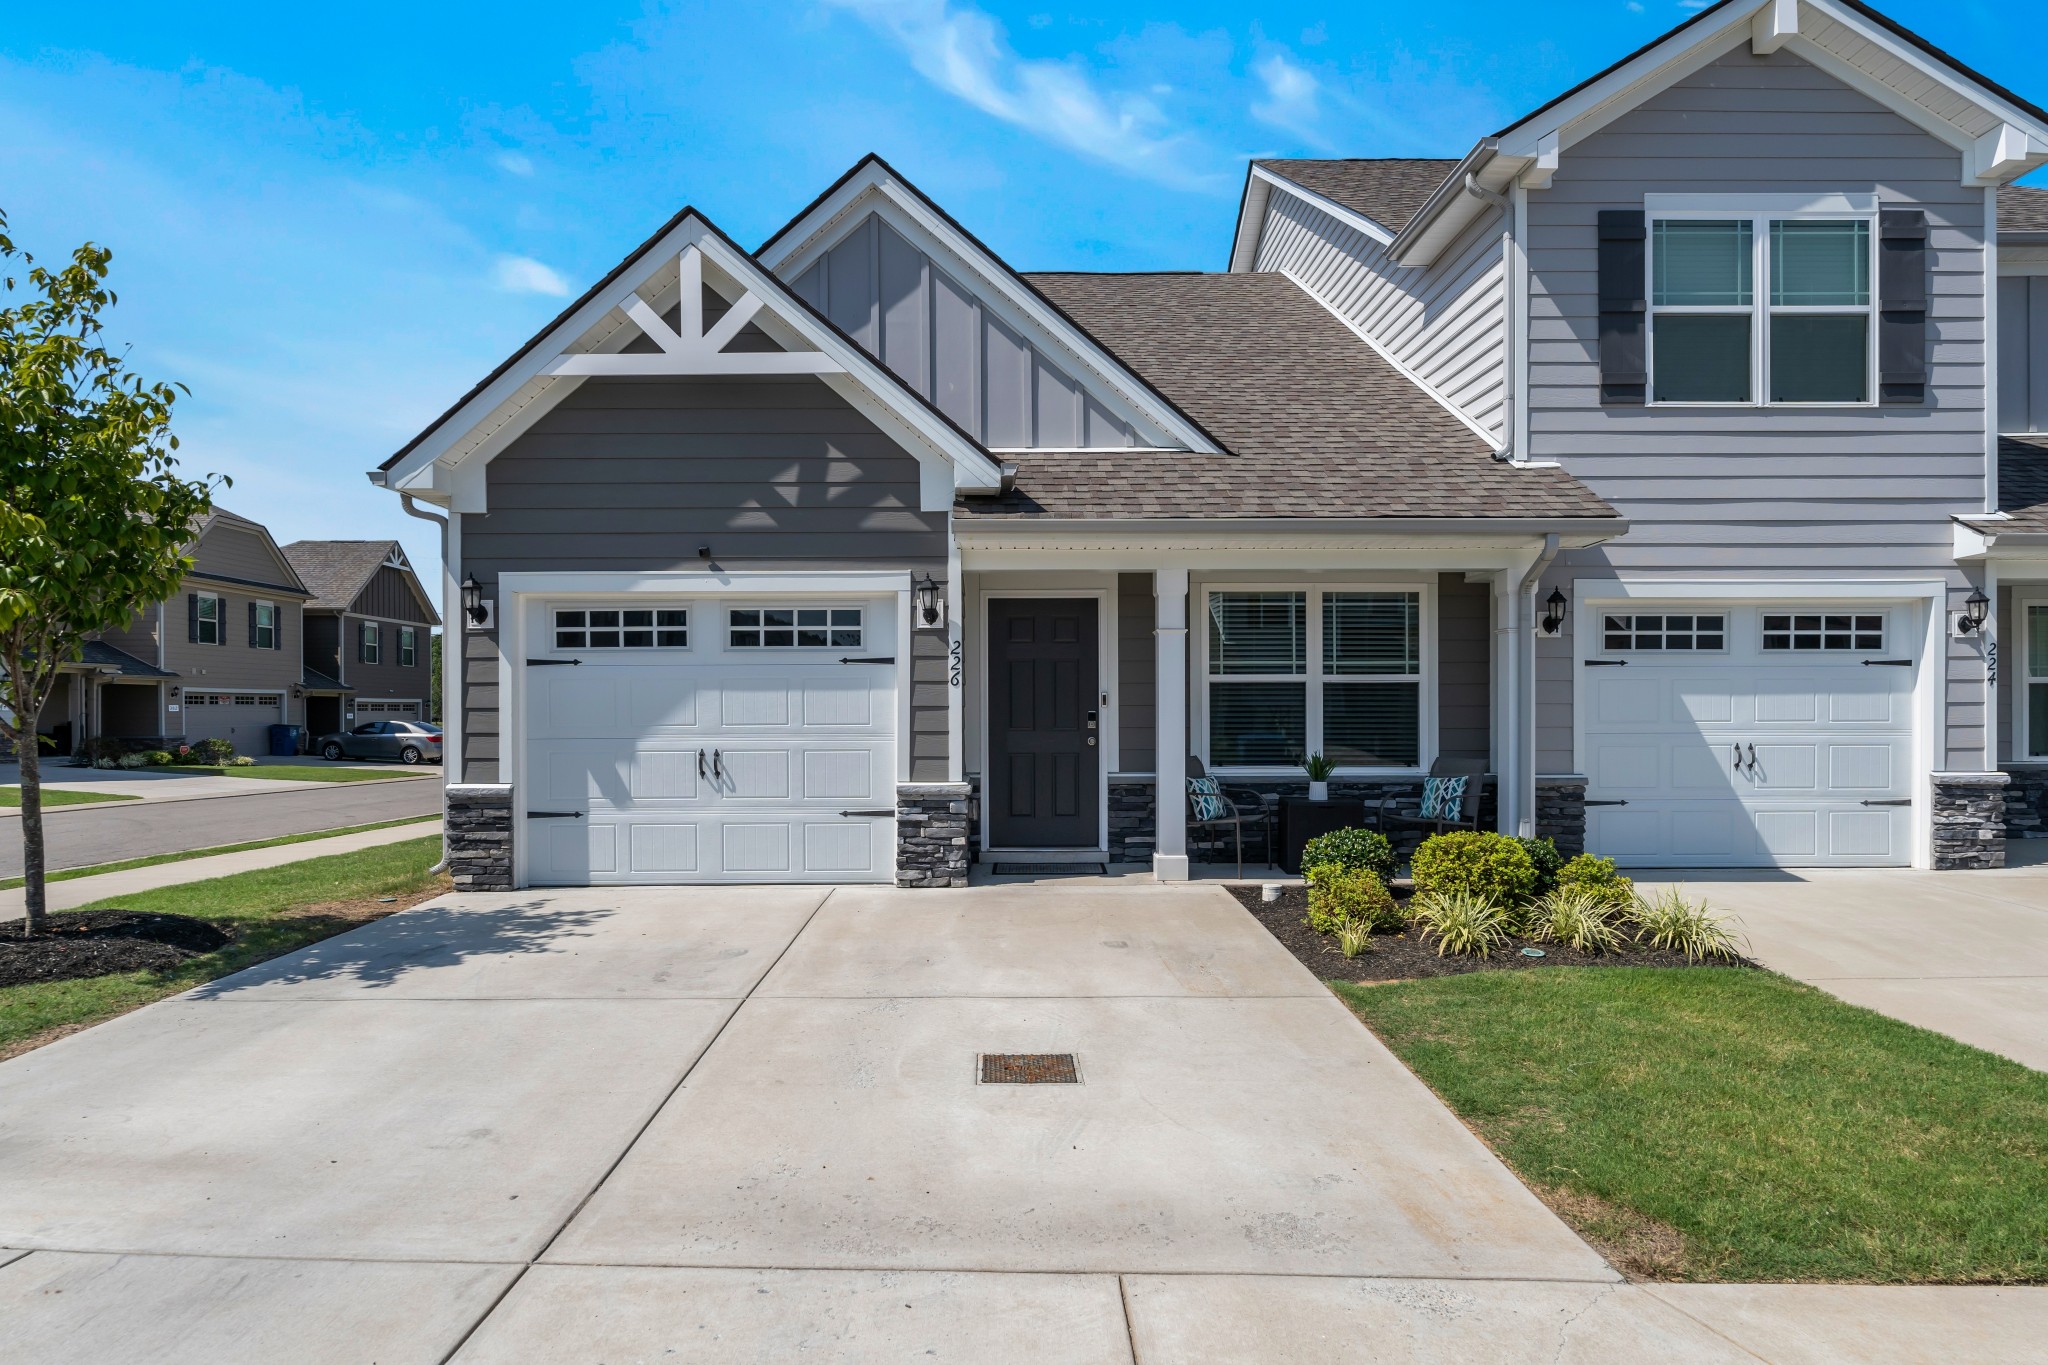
1045, 727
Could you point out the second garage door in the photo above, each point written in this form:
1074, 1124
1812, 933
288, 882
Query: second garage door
243, 719
710, 741
1737, 735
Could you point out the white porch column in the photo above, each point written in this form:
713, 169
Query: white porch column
1170, 635
1506, 729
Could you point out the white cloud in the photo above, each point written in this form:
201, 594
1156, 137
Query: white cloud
515, 163
524, 275
1292, 93
963, 51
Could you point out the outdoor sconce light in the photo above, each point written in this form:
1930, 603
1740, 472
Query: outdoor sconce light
704, 552
473, 605
1976, 607
931, 603
1554, 620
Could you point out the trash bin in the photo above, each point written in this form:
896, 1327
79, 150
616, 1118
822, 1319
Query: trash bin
284, 740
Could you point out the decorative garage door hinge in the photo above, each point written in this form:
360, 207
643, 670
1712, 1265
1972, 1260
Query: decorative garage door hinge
876, 813
554, 815
552, 663
889, 660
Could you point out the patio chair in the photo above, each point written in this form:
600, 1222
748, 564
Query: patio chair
1241, 806
1403, 810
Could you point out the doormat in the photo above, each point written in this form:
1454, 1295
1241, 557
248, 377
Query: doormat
1029, 1068
1051, 870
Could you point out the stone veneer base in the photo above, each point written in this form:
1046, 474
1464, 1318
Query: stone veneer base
1969, 820
478, 822
1561, 813
931, 834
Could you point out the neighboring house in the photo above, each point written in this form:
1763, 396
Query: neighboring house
1646, 453
218, 660
367, 634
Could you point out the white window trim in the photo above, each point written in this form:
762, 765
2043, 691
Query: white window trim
2022, 691
270, 607
220, 611
408, 645
1760, 212
372, 643
1313, 680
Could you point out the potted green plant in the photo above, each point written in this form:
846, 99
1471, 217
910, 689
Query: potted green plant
1319, 770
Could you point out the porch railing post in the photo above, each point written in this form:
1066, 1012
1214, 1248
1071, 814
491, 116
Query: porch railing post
1170, 856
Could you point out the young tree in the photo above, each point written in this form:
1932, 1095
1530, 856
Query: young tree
94, 519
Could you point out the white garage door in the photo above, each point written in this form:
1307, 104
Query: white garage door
243, 719
387, 710
1739, 735
710, 741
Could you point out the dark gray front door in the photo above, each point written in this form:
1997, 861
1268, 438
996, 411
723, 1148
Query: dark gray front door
1045, 732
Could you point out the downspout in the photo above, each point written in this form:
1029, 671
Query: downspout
1525, 689
450, 749
1506, 453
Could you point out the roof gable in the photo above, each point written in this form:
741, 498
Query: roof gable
234, 549
623, 325
338, 571
975, 335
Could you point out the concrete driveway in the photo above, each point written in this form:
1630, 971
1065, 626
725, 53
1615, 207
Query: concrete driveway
744, 1124
1962, 953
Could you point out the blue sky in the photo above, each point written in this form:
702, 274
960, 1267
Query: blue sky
329, 222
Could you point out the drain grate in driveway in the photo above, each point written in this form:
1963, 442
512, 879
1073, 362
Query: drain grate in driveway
1050, 870
1029, 1068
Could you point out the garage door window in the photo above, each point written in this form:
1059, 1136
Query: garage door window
795, 627
1823, 632
622, 628
1692, 633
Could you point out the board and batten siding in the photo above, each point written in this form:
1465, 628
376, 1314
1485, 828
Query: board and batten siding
2023, 348
632, 475
389, 596
921, 322
1444, 322
1762, 492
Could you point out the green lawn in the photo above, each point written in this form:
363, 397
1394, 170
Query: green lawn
71, 873
10, 797
306, 772
1726, 1124
268, 912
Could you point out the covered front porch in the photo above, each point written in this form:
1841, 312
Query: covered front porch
1097, 665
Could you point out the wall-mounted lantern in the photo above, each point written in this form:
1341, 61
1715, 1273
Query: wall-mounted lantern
1553, 621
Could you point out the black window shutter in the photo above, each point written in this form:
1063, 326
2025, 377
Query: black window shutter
362, 642
252, 625
192, 617
1624, 367
1902, 307
276, 628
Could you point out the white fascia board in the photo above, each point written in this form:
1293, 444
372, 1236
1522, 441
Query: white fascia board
705, 582
1649, 589
1453, 207
1351, 218
1598, 105
993, 282
599, 325
1251, 221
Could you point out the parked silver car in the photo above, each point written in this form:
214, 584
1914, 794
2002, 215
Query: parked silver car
408, 741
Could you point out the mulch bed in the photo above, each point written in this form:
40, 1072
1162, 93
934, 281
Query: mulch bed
1404, 956
95, 942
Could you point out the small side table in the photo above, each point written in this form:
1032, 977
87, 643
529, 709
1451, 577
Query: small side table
1302, 820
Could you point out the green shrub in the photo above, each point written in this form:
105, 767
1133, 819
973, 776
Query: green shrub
1357, 849
1668, 920
157, 758
1461, 922
1340, 896
97, 752
1491, 866
1354, 939
132, 761
1597, 875
1577, 917
211, 753
1549, 862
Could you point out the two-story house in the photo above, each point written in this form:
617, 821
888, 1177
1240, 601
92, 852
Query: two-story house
1648, 456
368, 634
217, 660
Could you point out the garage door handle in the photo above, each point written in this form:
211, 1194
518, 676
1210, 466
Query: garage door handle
891, 810
890, 660
1607, 663
700, 763
1887, 663
553, 663
554, 815
1604, 803
1893, 801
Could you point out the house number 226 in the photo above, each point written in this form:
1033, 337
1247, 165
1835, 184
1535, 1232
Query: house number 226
953, 654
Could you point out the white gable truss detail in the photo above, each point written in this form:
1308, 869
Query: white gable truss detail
873, 188
446, 465
1998, 139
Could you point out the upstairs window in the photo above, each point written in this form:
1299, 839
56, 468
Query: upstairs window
262, 626
368, 653
1763, 309
408, 646
206, 618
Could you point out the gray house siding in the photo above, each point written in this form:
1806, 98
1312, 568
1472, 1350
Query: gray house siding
139, 637
929, 328
1464, 688
1137, 673
2023, 352
239, 552
1753, 492
233, 665
1445, 322
389, 596
633, 475
387, 679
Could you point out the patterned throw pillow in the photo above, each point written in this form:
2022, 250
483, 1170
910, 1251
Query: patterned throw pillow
1443, 798
1205, 799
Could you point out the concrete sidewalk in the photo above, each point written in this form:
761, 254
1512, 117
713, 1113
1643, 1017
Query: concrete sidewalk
76, 891
1962, 953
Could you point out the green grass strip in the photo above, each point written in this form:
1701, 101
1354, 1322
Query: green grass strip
10, 797
298, 772
73, 873
1770, 1130
258, 906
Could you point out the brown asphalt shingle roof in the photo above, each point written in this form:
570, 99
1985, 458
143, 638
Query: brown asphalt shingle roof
2022, 208
1388, 190
1315, 423
336, 570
